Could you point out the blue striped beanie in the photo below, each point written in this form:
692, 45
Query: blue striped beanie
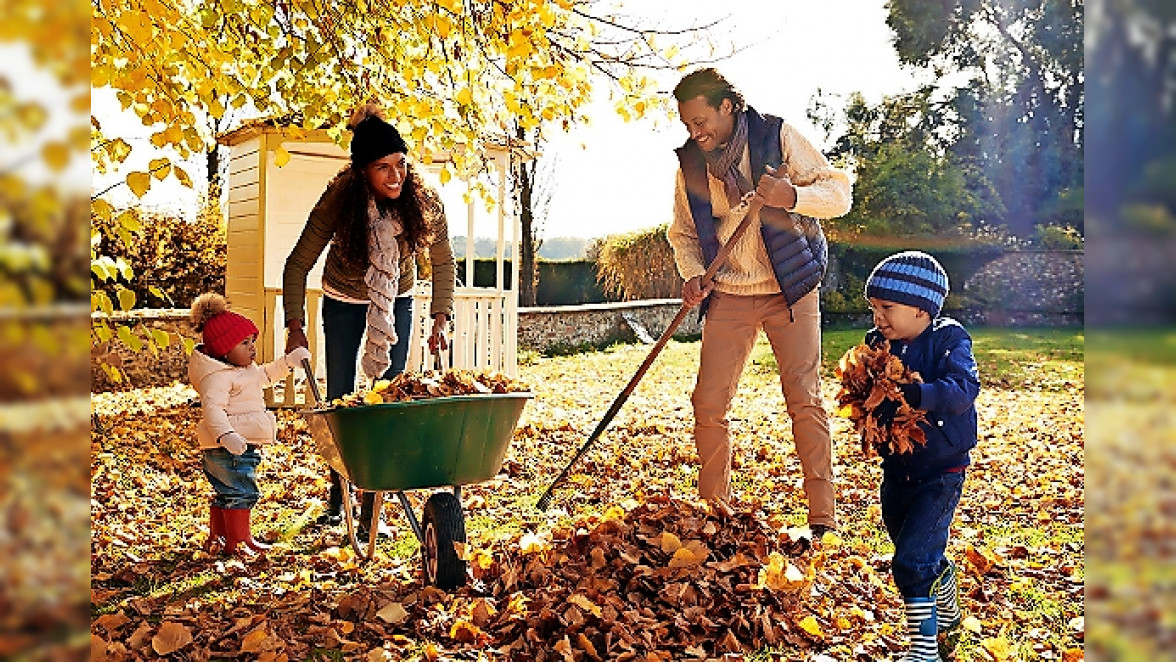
911, 277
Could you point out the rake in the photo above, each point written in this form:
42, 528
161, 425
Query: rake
748, 209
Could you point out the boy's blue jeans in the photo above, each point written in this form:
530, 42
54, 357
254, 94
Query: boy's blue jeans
343, 327
918, 515
234, 477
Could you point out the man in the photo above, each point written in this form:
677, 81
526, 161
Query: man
769, 280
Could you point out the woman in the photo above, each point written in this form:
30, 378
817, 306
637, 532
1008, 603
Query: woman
376, 214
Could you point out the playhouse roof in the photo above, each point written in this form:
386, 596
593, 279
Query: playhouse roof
520, 149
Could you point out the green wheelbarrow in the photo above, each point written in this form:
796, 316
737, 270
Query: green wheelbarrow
443, 442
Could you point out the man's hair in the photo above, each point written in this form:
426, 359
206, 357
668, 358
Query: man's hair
711, 84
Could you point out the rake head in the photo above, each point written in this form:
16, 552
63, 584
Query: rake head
544, 501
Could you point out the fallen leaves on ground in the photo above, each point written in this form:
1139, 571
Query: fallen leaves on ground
615, 566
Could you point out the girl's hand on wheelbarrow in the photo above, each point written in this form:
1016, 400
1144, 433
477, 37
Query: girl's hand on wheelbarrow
437, 340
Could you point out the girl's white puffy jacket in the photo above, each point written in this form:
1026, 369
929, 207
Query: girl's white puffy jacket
232, 400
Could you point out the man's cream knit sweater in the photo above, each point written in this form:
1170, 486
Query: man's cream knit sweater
822, 191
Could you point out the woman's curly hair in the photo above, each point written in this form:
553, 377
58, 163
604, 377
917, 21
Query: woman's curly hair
352, 232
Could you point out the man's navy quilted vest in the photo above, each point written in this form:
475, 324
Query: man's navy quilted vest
796, 244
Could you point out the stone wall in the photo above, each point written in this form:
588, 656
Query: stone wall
1133, 280
558, 328
143, 368
1028, 288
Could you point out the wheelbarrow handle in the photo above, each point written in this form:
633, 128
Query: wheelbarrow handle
318, 397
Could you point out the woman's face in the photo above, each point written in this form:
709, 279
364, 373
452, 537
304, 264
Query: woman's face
386, 176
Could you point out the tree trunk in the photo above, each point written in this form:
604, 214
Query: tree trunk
528, 273
212, 173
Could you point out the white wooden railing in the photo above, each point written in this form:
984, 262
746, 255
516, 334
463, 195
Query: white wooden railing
483, 335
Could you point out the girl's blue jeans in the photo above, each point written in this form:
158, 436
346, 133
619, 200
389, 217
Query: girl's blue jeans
918, 515
233, 477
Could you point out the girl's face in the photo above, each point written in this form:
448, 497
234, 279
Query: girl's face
244, 353
386, 176
898, 321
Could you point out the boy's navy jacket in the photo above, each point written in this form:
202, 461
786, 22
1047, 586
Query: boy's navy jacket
942, 355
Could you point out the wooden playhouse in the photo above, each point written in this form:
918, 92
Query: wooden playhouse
268, 207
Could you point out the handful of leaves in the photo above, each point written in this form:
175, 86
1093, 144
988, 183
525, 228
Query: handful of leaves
406, 386
870, 377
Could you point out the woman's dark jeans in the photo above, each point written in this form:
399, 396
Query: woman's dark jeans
918, 518
343, 328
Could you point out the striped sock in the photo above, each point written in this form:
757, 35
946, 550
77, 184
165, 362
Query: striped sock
947, 598
921, 628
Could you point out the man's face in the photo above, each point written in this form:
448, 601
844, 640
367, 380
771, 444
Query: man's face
709, 127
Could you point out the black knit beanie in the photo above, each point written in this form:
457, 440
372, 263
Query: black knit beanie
373, 139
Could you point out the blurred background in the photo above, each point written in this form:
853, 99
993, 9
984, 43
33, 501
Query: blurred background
1131, 329
44, 292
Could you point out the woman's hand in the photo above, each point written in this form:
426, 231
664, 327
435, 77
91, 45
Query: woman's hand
295, 336
437, 339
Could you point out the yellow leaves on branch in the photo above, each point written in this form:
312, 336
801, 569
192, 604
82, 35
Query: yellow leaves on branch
870, 376
453, 74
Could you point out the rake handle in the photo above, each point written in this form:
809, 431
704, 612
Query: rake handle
752, 208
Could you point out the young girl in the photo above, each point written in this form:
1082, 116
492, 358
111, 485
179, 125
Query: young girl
236, 423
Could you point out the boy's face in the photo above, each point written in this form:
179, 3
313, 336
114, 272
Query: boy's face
244, 353
898, 321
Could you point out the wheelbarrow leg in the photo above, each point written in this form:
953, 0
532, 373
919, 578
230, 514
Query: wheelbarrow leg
412, 518
368, 553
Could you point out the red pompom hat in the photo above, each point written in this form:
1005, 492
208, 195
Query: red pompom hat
225, 331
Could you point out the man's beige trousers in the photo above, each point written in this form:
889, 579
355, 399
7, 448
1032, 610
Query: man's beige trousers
732, 324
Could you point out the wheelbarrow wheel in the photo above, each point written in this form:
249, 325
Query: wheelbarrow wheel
444, 525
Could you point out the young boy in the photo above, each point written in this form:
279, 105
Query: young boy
920, 490
236, 423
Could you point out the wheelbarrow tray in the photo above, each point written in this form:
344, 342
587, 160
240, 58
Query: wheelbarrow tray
416, 444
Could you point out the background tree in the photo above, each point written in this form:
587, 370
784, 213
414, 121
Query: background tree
998, 138
533, 183
909, 179
1133, 159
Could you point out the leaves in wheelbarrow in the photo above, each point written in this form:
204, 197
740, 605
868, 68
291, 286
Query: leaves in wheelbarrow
411, 386
870, 377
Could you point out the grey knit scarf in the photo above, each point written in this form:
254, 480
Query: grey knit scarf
723, 163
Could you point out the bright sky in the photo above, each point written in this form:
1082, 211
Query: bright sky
613, 177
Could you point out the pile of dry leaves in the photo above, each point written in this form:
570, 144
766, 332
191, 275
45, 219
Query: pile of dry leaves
869, 377
407, 386
668, 580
